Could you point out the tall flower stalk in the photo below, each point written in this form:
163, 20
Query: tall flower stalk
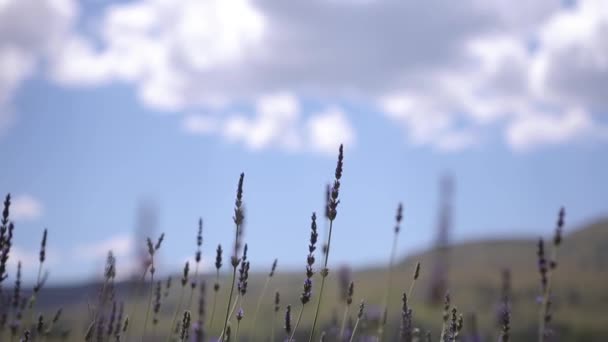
6, 236
242, 281
185, 326
199, 331
326, 221
310, 261
348, 301
333, 206
389, 274
359, 316
546, 272
446, 316
505, 324
151, 251
277, 307
239, 317
40, 280
238, 219
216, 285
138, 285
197, 259
288, 321
261, 298
414, 279
184, 282
156, 307
406, 328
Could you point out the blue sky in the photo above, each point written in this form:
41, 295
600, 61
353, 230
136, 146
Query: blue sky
104, 106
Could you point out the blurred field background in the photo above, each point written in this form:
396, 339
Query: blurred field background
580, 291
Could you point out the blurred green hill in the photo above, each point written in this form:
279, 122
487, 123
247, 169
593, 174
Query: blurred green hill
580, 302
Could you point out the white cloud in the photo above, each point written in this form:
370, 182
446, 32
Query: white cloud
30, 261
542, 84
528, 131
477, 66
25, 208
274, 123
206, 265
164, 48
29, 30
278, 123
571, 68
328, 129
121, 246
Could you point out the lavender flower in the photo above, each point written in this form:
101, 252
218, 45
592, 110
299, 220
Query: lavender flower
112, 319
405, 330
273, 268
199, 240
167, 287
185, 273
6, 236
277, 301
542, 264
333, 205
243, 273
505, 324
185, 326
310, 260
157, 302
288, 320
335, 190
344, 280
218, 265
199, 331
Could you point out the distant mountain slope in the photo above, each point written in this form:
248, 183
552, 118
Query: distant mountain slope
580, 288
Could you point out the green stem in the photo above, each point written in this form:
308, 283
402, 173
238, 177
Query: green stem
274, 322
213, 310
177, 308
217, 281
236, 238
238, 297
134, 308
236, 335
323, 275
296, 326
352, 336
545, 298
229, 302
149, 303
411, 290
257, 307
192, 287
102, 302
343, 321
32, 300
444, 331
389, 281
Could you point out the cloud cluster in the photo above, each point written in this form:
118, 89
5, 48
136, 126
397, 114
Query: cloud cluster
29, 31
542, 84
278, 120
447, 73
25, 207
